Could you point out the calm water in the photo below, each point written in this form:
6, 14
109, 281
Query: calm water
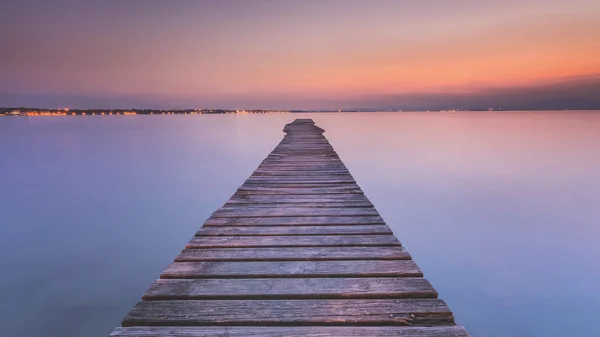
501, 210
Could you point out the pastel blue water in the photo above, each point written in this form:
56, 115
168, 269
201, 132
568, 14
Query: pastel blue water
500, 210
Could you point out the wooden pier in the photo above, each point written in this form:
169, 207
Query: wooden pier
298, 250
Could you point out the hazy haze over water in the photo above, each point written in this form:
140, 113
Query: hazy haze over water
500, 210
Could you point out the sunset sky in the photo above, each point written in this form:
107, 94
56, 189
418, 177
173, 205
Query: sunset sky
300, 54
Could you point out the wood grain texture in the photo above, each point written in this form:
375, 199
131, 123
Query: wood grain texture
304, 167
300, 183
296, 180
273, 204
298, 174
290, 288
294, 230
290, 312
286, 269
297, 199
292, 331
293, 241
297, 185
294, 254
292, 211
308, 220
298, 190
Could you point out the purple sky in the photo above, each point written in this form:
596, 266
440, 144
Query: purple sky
300, 54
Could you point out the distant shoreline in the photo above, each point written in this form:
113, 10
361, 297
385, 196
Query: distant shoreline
104, 112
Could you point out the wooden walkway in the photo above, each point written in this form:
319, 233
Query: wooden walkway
298, 250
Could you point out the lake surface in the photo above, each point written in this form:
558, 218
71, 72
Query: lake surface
500, 210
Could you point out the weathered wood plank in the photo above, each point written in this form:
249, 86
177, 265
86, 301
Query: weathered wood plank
273, 203
312, 190
303, 167
302, 151
283, 185
308, 181
292, 241
325, 199
314, 144
301, 170
305, 163
307, 153
328, 164
303, 140
285, 269
290, 211
298, 174
296, 331
294, 254
282, 221
321, 143
307, 158
295, 152
316, 178
294, 230
289, 288
286, 312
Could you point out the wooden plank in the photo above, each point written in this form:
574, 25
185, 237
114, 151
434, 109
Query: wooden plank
349, 204
289, 185
290, 288
300, 170
279, 173
289, 144
308, 156
296, 331
285, 269
286, 312
292, 241
321, 143
290, 140
289, 180
297, 185
295, 147
290, 211
293, 150
325, 199
282, 221
327, 165
294, 254
311, 190
303, 167
307, 159
303, 162
317, 178
306, 152
312, 154
316, 145
294, 230
303, 151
